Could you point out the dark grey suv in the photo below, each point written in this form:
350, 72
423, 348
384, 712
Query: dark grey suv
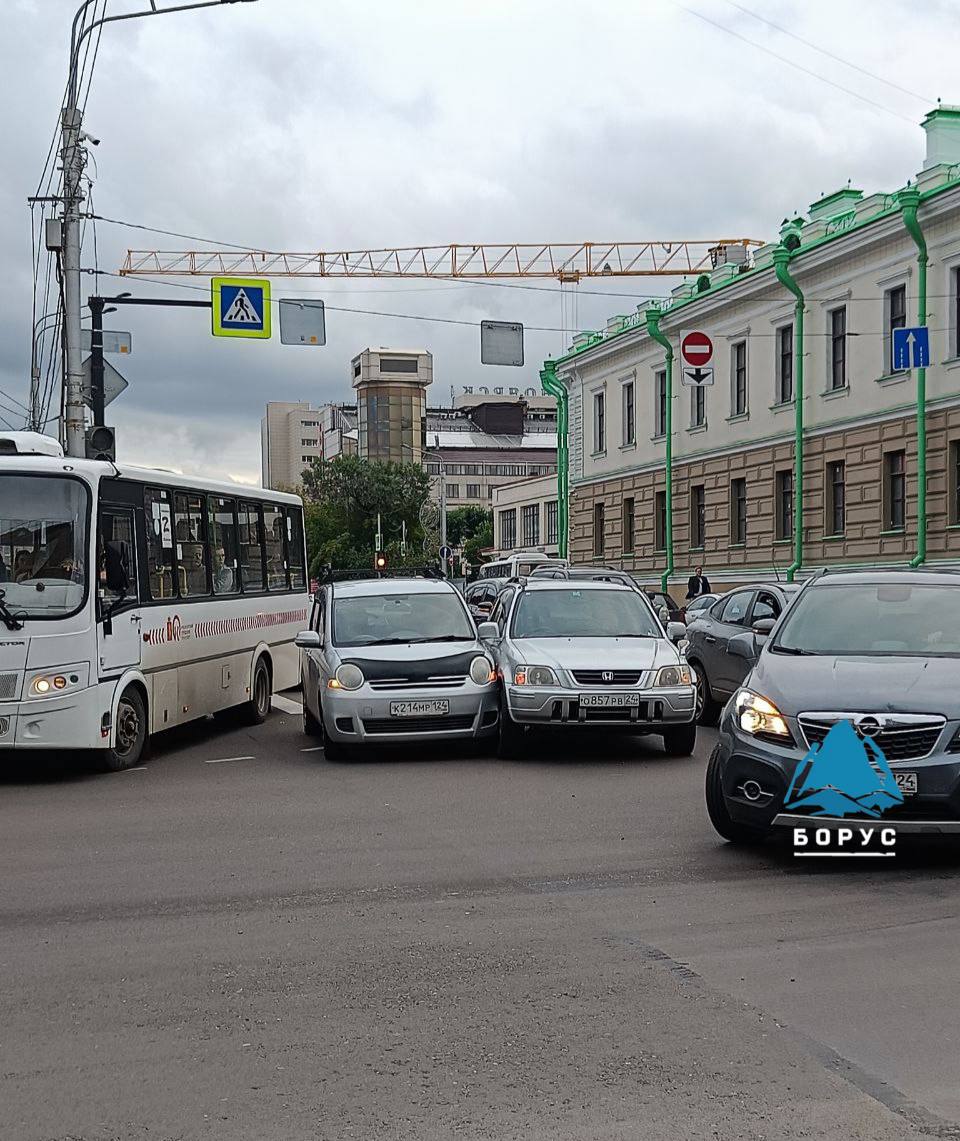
880, 649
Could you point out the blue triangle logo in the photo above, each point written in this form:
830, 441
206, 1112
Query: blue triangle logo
843, 775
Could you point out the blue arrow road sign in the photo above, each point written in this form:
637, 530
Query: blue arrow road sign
445, 552
911, 347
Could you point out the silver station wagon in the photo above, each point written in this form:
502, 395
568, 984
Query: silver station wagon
392, 661
584, 653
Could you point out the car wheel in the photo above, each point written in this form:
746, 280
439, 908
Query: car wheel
258, 707
730, 829
510, 734
681, 740
130, 734
708, 710
333, 750
311, 726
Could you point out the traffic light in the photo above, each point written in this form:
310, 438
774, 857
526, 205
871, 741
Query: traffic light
380, 561
101, 443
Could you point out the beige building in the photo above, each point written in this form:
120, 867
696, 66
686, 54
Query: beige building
289, 439
525, 516
391, 386
855, 261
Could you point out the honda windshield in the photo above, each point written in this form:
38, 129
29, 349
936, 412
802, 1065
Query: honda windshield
909, 619
586, 613
395, 619
43, 545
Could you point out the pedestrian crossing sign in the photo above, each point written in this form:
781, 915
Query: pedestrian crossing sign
240, 306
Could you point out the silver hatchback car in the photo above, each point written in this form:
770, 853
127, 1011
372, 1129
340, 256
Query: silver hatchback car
574, 652
394, 661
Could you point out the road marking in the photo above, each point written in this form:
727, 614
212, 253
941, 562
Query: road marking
224, 760
313, 749
135, 769
285, 705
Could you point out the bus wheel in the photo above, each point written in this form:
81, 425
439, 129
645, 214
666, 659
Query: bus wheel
130, 734
258, 706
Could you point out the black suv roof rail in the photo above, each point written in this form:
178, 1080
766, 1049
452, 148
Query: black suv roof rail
821, 572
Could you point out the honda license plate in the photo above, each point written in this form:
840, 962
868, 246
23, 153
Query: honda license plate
609, 700
419, 708
907, 783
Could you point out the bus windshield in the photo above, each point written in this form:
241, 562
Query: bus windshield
43, 544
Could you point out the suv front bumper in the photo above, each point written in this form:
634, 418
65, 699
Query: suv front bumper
552, 705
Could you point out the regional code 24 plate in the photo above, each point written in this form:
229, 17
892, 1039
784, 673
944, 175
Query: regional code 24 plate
907, 783
609, 700
419, 708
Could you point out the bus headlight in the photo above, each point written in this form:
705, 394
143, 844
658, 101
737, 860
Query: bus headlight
481, 670
348, 676
47, 685
673, 675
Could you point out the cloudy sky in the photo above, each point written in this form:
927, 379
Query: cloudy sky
331, 124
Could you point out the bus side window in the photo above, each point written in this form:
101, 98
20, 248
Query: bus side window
190, 545
223, 545
251, 547
273, 542
298, 574
159, 520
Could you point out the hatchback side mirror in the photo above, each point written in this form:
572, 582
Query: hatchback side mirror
763, 626
308, 640
676, 632
484, 607
488, 632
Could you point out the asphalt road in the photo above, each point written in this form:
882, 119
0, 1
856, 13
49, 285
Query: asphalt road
243, 941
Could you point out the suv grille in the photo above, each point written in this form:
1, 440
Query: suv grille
617, 677
900, 744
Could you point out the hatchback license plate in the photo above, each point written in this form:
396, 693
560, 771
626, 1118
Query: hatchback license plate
907, 783
419, 708
609, 700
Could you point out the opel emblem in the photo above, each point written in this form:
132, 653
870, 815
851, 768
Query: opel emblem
868, 726
606, 675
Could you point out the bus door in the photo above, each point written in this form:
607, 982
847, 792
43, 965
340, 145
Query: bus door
118, 590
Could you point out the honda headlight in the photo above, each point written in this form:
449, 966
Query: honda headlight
348, 676
481, 670
534, 675
673, 675
755, 714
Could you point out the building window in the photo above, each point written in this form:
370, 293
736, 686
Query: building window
698, 407
599, 422
738, 511
629, 414
598, 529
784, 504
399, 364
508, 529
895, 303
473, 491
629, 527
552, 522
660, 520
453, 491
895, 490
698, 516
836, 506
785, 364
738, 367
308, 443
530, 518
660, 403
838, 348
955, 482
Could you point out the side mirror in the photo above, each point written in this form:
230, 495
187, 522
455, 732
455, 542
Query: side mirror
484, 607
743, 646
308, 640
763, 626
676, 632
488, 632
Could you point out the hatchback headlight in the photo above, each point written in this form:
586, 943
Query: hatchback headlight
673, 675
481, 670
755, 714
534, 675
348, 676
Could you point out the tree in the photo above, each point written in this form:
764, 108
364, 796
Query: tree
342, 498
479, 541
464, 522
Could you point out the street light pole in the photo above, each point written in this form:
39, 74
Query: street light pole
74, 158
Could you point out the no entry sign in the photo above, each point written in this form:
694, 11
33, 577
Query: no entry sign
696, 348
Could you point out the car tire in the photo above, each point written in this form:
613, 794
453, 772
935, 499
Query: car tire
333, 750
708, 709
130, 735
731, 830
509, 733
311, 726
257, 709
681, 740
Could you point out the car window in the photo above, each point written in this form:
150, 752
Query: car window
378, 620
736, 607
766, 606
502, 608
589, 612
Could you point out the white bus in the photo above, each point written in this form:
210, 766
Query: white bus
133, 600
519, 562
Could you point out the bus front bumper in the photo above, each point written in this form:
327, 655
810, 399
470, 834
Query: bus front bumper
69, 722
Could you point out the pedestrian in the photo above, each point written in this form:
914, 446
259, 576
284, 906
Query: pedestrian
697, 584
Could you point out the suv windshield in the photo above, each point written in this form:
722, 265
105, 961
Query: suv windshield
377, 620
874, 618
583, 613
43, 539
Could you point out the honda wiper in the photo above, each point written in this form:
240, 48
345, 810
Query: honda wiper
10, 620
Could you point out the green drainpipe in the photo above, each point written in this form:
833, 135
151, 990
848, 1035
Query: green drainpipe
908, 200
781, 259
554, 387
653, 328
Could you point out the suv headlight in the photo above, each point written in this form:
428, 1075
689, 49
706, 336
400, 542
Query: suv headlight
534, 675
481, 670
348, 676
673, 675
757, 715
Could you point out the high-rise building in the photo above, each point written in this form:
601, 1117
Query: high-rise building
289, 439
391, 389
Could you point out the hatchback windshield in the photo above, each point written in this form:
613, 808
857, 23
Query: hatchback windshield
377, 620
874, 618
43, 568
583, 614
